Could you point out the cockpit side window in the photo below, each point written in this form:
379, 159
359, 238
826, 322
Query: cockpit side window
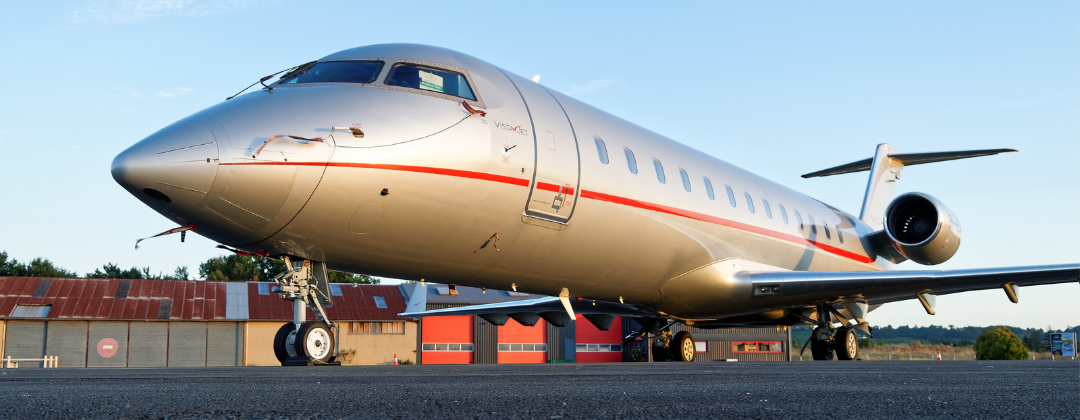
351, 71
431, 79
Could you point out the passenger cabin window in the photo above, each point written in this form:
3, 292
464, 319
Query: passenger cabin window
813, 227
798, 217
839, 234
768, 209
708, 189
631, 162
749, 202
825, 227
430, 79
659, 171
783, 213
351, 71
685, 179
730, 196
601, 150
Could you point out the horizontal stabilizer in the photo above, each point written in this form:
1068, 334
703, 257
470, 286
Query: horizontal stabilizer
906, 159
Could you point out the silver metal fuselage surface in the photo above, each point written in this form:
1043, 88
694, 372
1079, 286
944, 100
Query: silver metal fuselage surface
429, 184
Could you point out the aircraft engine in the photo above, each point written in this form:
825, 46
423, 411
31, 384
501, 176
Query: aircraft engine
922, 228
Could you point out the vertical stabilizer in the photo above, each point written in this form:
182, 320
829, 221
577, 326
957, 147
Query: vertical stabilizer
884, 171
418, 299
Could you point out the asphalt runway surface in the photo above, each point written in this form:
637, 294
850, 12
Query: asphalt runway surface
817, 390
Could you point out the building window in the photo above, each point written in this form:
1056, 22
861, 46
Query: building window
685, 179
30, 311
601, 150
447, 347
583, 348
813, 227
394, 327
659, 171
380, 302
335, 289
264, 288
730, 196
708, 189
768, 208
757, 346
522, 347
749, 202
783, 213
631, 161
798, 217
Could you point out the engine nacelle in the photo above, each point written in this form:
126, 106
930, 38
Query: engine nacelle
922, 228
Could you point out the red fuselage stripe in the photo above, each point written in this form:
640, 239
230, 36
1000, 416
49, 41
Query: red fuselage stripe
406, 168
660, 208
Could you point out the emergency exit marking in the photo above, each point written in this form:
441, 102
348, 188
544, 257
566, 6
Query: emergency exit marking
107, 347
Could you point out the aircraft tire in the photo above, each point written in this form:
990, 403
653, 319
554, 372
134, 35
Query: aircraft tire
315, 340
281, 342
682, 347
847, 344
820, 349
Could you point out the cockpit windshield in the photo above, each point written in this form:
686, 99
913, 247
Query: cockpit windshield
432, 79
351, 71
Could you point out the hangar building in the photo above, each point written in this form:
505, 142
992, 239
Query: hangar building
149, 323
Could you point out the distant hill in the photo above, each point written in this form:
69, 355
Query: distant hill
1037, 339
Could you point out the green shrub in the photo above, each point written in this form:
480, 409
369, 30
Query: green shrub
406, 362
999, 343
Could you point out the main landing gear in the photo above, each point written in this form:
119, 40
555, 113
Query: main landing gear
678, 347
826, 340
304, 342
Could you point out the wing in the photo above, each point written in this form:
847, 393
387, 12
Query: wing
877, 287
891, 286
527, 312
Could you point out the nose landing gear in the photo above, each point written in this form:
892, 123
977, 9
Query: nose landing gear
303, 342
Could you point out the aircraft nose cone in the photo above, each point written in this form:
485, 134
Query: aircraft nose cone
172, 169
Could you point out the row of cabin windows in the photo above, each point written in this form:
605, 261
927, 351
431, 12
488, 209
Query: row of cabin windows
631, 164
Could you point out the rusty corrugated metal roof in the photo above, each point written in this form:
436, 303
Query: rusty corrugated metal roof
115, 298
121, 299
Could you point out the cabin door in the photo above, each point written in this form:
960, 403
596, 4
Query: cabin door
554, 189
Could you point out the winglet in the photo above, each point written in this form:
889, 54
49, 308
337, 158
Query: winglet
418, 300
564, 297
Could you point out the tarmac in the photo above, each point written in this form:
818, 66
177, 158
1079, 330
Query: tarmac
817, 390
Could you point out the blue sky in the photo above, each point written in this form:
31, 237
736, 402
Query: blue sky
781, 89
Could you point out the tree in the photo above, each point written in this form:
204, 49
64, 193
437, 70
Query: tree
342, 277
38, 267
241, 268
999, 343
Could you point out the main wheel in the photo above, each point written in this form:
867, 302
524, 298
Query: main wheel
314, 340
847, 344
283, 342
682, 348
821, 349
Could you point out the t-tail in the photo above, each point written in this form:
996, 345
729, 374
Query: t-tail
914, 226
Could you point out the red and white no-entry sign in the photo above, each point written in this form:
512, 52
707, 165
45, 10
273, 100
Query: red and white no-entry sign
107, 347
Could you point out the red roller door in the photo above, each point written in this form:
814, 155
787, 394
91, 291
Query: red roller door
595, 346
521, 344
445, 337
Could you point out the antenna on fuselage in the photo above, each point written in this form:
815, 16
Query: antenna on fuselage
536, 78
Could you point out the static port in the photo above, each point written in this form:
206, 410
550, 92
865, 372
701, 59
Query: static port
157, 195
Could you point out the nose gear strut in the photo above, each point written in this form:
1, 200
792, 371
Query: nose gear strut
303, 342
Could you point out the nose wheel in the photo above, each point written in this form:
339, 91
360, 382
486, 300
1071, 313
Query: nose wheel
313, 341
